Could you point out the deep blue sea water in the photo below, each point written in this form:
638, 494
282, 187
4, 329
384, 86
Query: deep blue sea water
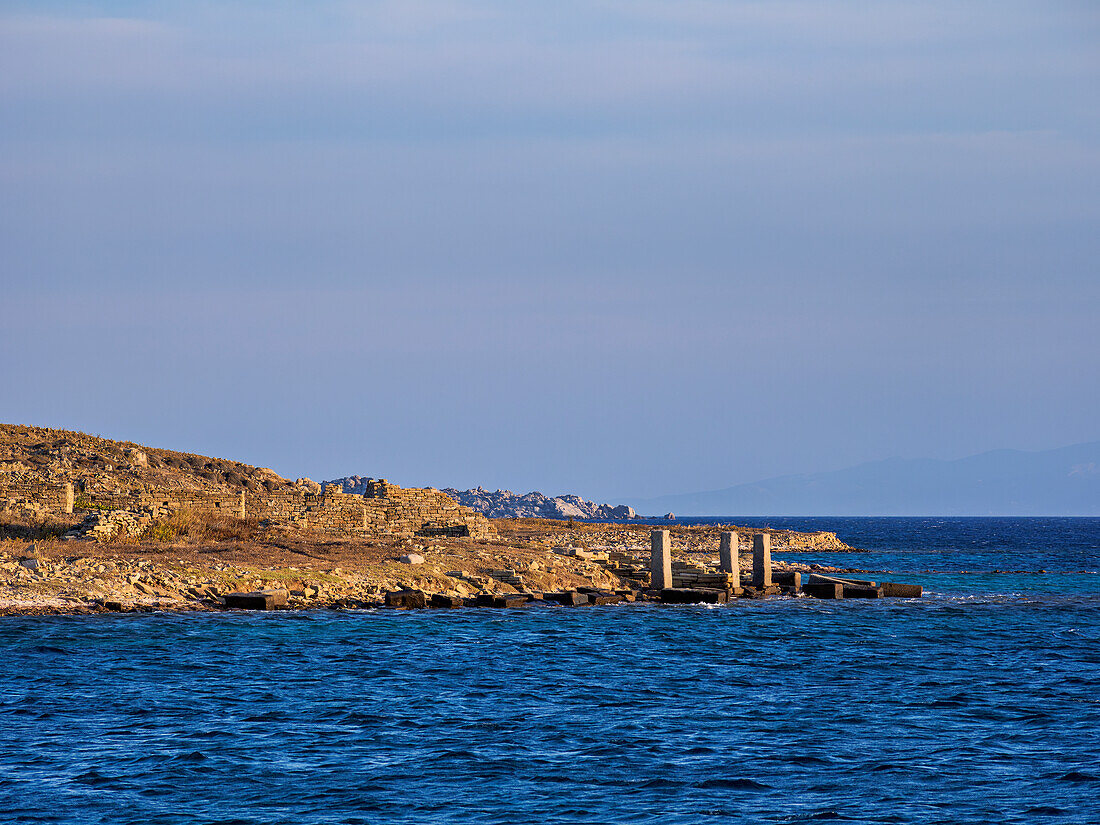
977, 704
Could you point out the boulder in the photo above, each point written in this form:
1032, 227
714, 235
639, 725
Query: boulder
412, 558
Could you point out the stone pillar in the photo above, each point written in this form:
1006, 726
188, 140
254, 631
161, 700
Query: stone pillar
660, 560
729, 561
242, 512
67, 498
762, 560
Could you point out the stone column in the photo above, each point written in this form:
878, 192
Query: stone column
67, 497
729, 561
242, 513
762, 560
660, 560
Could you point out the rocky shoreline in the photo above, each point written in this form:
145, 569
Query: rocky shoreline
530, 557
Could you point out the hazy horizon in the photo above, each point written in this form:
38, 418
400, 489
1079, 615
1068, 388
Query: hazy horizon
617, 249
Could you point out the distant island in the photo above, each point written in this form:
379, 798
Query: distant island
506, 504
1061, 482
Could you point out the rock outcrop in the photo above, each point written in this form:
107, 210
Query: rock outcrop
121, 489
506, 504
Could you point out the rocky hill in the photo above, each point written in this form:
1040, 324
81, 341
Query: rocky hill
93, 461
121, 488
506, 504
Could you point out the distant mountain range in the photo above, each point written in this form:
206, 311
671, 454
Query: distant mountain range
1064, 481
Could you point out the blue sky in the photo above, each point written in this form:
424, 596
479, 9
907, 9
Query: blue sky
615, 248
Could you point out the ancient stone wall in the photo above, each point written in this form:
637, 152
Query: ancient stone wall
31, 493
228, 503
386, 510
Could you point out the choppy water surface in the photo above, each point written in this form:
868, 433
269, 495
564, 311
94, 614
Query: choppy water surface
955, 708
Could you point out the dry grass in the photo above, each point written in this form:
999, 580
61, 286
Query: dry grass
31, 529
192, 527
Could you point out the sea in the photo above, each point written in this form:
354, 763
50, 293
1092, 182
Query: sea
979, 703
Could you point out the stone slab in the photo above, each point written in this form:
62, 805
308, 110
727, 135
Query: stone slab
857, 592
407, 599
257, 600
510, 600
823, 590
604, 598
693, 595
761, 592
821, 577
570, 597
897, 590
787, 578
442, 601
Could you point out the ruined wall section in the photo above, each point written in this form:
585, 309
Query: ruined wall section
153, 500
390, 510
28, 493
387, 510
433, 513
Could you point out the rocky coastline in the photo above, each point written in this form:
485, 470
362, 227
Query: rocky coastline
88, 524
51, 576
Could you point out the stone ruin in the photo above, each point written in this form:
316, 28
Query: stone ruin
383, 509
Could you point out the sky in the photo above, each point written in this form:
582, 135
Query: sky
617, 248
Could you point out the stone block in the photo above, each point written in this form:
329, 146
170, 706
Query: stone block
439, 600
821, 577
407, 599
660, 560
257, 600
761, 592
897, 590
728, 558
823, 590
693, 595
412, 558
860, 592
762, 560
604, 597
510, 600
570, 597
787, 578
